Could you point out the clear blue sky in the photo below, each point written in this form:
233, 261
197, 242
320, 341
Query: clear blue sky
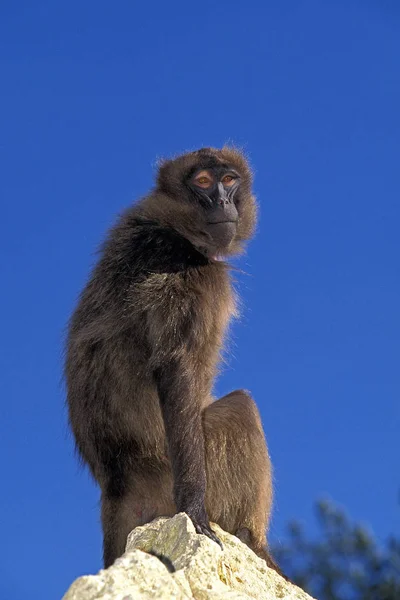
91, 94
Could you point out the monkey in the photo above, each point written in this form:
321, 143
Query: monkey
143, 348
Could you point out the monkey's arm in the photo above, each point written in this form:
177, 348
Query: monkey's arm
183, 425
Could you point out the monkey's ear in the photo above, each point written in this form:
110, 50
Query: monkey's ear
169, 177
162, 166
172, 173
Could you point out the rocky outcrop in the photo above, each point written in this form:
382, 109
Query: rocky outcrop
167, 560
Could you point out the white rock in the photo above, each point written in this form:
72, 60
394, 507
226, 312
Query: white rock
166, 559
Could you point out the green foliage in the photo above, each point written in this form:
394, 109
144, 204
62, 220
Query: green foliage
344, 563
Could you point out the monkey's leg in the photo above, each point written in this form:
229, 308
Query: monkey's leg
145, 497
239, 480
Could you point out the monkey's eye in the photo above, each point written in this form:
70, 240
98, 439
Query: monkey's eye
228, 180
203, 180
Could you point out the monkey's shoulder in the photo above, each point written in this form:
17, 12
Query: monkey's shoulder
169, 275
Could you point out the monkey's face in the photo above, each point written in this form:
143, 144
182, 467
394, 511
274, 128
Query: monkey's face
213, 189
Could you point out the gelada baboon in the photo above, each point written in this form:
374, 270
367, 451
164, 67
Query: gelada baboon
142, 355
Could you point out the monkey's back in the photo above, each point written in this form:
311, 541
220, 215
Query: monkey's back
134, 312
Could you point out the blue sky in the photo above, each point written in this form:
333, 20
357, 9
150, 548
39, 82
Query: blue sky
91, 95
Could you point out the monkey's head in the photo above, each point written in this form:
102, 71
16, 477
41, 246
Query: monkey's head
206, 196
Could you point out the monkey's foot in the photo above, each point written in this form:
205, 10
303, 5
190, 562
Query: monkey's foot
206, 530
202, 525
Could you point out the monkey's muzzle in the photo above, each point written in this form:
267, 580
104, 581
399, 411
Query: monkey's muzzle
222, 232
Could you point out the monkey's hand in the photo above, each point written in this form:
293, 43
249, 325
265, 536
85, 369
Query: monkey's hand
202, 525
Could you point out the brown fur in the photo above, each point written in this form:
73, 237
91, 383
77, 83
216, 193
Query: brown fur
142, 355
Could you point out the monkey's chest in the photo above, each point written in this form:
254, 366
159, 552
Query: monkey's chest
212, 306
